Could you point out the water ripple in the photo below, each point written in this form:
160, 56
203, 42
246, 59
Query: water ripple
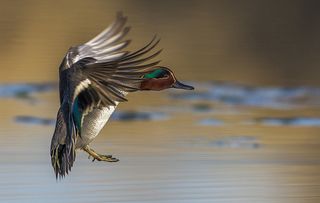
31, 120
237, 141
237, 94
210, 122
116, 116
294, 121
24, 90
138, 116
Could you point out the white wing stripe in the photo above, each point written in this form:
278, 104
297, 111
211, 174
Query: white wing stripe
82, 85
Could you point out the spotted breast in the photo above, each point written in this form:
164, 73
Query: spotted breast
93, 124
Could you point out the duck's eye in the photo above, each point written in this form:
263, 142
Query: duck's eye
165, 76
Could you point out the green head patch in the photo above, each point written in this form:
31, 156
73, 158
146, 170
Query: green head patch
158, 73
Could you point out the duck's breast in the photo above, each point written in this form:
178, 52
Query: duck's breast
93, 124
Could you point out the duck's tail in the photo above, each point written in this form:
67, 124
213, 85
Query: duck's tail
62, 152
60, 161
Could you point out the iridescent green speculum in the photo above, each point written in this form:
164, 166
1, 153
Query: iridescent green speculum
77, 115
154, 74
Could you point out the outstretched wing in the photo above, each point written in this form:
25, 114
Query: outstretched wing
103, 61
103, 47
99, 74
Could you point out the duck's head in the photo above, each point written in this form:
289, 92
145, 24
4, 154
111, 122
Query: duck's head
161, 78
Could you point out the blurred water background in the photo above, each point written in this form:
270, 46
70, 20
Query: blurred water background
250, 132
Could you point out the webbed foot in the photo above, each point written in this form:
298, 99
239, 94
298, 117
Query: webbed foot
97, 156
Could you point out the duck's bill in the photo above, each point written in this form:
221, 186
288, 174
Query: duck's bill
180, 85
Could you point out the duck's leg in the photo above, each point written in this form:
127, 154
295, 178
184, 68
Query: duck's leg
99, 157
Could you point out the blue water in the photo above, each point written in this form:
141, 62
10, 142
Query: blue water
264, 97
24, 90
280, 98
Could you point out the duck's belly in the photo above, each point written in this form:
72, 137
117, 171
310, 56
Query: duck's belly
93, 124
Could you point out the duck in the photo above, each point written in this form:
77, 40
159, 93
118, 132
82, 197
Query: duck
94, 78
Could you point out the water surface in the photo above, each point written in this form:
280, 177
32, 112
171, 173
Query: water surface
254, 137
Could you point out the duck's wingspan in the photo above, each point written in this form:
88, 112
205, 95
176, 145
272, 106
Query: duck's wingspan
99, 74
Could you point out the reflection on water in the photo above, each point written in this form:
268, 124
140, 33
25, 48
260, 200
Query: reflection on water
237, 142
244, 142
175, 151
311, 122
224, 142
116, 116
210, 121
269, 97
24, 90
202, 107
138, 116
34, 120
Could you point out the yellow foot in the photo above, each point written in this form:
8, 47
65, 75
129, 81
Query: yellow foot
99, 157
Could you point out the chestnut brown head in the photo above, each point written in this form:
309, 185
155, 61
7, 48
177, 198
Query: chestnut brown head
162, 78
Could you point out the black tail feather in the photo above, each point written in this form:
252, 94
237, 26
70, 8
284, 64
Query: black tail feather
61, 161
62, 148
